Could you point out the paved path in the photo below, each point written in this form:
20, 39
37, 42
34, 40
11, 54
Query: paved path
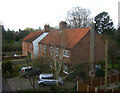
5, 85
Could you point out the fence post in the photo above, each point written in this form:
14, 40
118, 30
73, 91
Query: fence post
101, 82
117, 79
109, 82
112, 90
87, 88
77, 85
91, 82
95, 90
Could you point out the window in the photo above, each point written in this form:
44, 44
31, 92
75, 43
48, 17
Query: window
30, 46
44, 49
26, 53
65, 69
56, 51
40, 48
23, 44
51, 64
51, 50
66, 53
57, 65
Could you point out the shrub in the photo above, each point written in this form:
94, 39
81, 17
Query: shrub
100, 73
7, 66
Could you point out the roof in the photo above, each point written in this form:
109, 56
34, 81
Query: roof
67, 38
32, 36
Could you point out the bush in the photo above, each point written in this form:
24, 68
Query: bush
78, 71
100, 73
9, 69
7, 66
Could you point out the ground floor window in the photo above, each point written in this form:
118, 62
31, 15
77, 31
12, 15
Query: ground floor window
57, 64
65, 69
51, 64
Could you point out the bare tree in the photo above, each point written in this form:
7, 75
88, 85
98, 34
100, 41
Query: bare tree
78, 17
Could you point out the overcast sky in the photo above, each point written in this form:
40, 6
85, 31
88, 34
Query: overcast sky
19, 14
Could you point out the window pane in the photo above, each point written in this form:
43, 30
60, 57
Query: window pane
44, 49
40, 48
56, 51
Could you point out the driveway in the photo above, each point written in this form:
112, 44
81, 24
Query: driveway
20, 83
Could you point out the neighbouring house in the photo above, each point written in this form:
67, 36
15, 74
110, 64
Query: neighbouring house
30, 43
72, 45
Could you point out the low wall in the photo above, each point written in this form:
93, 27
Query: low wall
4, 58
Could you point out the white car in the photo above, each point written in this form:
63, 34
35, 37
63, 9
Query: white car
25, 71
48, 79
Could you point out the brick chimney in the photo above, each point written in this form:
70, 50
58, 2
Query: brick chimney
47, 28
62, 25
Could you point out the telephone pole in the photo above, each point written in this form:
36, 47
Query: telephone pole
106, 64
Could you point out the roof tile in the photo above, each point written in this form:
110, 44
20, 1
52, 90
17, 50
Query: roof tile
32, 36
68, 38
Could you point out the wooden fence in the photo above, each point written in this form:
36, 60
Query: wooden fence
100, 81
87, 89
90, 85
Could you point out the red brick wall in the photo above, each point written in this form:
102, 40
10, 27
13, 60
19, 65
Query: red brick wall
65, 59
27, 49
81, 52
99, 48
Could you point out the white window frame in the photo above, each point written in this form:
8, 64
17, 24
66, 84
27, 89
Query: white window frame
26, 53
65, 69
56, 51
40, 48
23, 44
50, 64
44, 49
51, 50
66, 53
30, 46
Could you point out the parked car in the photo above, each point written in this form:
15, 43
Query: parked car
48, 79
26, 70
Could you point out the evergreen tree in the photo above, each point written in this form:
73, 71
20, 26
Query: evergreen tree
103, 24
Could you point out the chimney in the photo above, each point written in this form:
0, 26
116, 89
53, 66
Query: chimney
62, 25
47, 28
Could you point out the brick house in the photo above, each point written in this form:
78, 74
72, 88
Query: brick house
30, 42
72, 45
